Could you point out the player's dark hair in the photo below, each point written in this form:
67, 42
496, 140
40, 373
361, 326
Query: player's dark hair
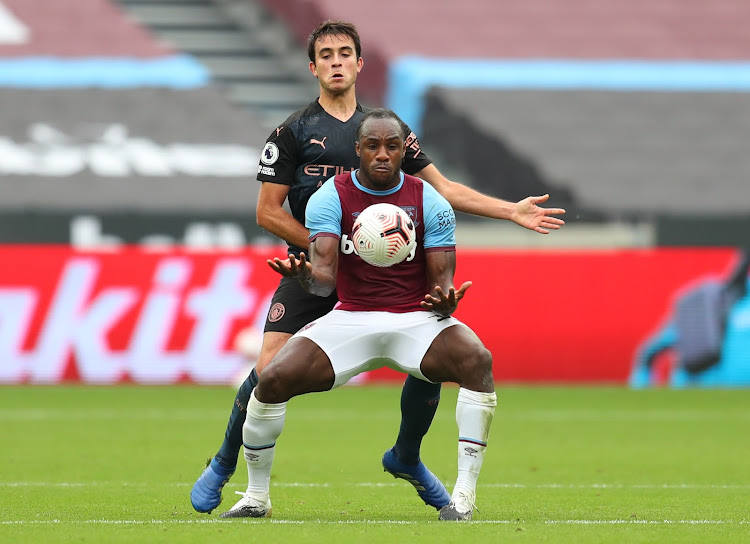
333, 28
381, 113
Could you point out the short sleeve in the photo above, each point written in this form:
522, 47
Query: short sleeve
278, 160
415, 159
439, 220
323, 213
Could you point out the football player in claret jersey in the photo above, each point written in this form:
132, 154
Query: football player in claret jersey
398, 316
309, 147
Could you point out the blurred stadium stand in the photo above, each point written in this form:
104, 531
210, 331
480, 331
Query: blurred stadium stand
624, 154
249, 53
629, 112
79, 28
633, 115
112, 135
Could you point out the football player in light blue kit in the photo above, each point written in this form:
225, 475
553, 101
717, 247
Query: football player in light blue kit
398, 316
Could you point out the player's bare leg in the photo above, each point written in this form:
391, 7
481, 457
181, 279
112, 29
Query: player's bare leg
300, 367
206, 493
272, 344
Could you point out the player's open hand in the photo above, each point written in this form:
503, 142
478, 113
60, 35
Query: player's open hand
444, 303
528, 214
292, 267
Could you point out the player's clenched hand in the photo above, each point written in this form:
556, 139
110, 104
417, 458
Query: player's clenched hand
292, 267
442, 303
528, 214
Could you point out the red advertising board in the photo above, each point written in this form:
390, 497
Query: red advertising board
127, 315
576, 316
168, 317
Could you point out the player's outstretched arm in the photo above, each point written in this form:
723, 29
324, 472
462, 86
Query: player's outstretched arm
443, 303
318, 279
526, 213
292, 267
271, 215
444, 298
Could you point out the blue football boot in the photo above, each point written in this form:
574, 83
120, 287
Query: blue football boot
430, 489
206, 493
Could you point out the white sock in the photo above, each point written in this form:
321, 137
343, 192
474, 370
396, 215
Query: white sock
263, 425
474, 412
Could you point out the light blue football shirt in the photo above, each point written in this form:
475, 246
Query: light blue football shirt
323, 214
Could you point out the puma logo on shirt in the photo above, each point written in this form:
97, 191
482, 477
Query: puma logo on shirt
321, 143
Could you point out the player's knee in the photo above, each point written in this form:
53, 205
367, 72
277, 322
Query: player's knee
273, 386
478, 363
484, 359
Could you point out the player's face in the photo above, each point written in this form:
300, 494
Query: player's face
381, 150
336, 64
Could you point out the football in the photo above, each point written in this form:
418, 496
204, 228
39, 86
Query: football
384, 235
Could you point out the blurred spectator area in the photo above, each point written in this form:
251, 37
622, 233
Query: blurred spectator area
73, 28
532, 29
249, 52
625, 112
112, 133
631, 112
142, 149
629, 155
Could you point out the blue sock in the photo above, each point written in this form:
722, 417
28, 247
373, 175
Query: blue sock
419, 402
230, 448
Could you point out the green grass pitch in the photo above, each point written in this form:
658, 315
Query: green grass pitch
564, 464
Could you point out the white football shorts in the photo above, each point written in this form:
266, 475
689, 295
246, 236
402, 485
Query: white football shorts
356, 342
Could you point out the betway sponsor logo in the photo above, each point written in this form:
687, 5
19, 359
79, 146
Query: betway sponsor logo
110, 151
163, 320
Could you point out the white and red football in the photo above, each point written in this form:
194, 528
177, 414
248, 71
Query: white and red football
384, 235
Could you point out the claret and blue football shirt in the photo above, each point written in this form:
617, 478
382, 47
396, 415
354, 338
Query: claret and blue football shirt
332, 211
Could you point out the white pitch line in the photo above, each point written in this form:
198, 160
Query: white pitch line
222, 521
647, 522
644, 416
618, 486
649, 416
373, 522
504, 485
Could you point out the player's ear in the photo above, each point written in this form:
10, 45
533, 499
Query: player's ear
313, 69
356, 148
360, 63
